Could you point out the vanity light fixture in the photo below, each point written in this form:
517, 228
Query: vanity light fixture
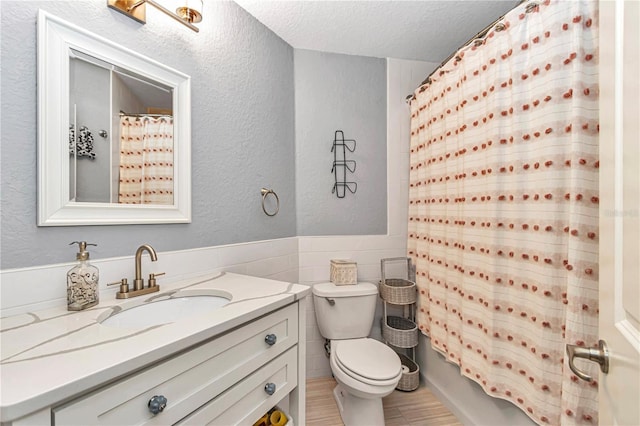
187, 14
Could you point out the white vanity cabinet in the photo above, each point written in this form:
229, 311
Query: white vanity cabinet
230, 379
226, 366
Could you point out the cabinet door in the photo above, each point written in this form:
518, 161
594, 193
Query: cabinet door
189, 380
247, 401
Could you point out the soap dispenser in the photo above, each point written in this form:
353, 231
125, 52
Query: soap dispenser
82, 281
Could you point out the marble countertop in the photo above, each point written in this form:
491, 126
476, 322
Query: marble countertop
52, 355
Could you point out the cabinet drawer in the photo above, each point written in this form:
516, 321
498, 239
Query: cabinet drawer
244, 403
189, 380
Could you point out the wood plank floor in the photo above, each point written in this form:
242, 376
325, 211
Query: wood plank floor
417, 408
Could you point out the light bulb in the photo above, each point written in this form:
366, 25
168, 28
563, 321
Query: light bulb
190, 11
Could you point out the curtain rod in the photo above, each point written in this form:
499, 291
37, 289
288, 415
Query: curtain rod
144, 115
482, 33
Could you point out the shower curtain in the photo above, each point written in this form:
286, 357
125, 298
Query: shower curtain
146, 160
503, 208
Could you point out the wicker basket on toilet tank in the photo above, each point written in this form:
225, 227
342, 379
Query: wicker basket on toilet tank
344, 272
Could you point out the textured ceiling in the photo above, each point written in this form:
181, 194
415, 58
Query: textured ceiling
426, 30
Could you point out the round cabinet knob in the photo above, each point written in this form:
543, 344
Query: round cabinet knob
270, 388
157, 404
270, 339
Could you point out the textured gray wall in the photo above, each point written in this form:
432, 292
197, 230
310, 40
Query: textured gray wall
348, 93
242, 129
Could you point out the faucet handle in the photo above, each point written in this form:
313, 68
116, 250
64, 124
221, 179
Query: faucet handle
152, 278
124, 287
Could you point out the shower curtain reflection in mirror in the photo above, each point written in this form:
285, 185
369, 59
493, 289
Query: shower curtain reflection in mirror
146, 160
118, 157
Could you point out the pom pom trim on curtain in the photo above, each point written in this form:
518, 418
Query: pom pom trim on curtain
503, 208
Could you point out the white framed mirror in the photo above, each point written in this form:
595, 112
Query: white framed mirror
114, 132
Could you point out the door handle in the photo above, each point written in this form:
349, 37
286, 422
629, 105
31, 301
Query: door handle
600, 355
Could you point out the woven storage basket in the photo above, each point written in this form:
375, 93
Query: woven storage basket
410, 380
344, 272
398, 291
400, 332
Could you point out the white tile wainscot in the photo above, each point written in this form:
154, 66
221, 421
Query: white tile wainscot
210, 367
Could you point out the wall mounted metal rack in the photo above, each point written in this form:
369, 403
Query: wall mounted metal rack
341, 165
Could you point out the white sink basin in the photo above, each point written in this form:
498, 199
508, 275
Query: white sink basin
165, 311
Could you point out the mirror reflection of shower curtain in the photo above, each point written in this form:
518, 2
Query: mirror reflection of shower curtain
146, 160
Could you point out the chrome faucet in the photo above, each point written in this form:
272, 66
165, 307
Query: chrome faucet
138, 282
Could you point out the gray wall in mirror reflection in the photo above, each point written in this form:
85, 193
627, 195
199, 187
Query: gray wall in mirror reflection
242, 135
89, 101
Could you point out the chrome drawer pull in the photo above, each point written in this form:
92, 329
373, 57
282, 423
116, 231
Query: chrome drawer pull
270, 339
157, 404
270, 388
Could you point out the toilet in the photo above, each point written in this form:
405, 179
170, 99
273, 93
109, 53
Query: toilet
366, 370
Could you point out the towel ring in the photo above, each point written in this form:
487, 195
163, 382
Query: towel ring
265, 192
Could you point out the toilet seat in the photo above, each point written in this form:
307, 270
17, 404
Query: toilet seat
368, 361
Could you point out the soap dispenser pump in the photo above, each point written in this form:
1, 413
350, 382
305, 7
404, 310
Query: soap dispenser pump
82, 281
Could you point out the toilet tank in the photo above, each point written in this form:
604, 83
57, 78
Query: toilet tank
345, 311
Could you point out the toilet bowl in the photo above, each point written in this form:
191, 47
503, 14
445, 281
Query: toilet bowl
366, 371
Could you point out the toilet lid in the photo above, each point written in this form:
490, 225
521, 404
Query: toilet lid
368, 358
